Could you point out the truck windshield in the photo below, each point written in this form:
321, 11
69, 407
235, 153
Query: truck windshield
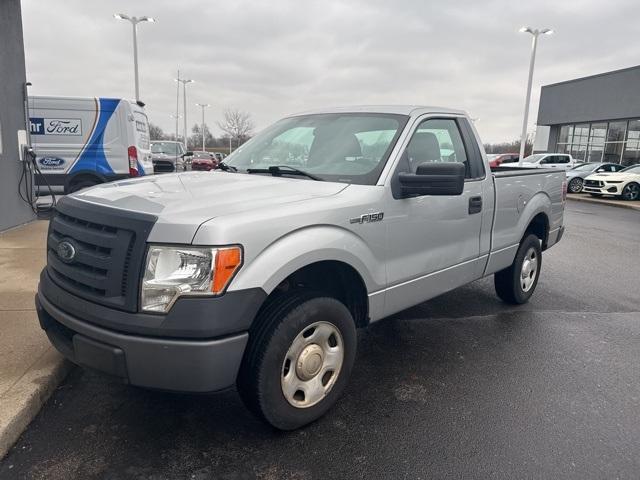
168, 148
339, 147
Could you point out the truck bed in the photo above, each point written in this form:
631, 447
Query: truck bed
517, 171
521, 193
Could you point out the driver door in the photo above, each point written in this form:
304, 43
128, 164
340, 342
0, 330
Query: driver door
434, 240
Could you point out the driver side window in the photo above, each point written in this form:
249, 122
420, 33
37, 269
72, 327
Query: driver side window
435, 140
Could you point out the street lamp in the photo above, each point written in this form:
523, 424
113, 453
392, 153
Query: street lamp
534, 45
134, 22
184, 82
203, 106
176, 117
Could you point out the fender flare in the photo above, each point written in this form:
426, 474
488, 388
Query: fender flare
539, 203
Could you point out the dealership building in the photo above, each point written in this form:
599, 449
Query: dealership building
594, 118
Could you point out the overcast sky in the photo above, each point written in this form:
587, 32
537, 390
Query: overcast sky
275, 57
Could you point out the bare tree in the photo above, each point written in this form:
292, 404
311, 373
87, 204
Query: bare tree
194, 141
237, 124
155, 132
510, 147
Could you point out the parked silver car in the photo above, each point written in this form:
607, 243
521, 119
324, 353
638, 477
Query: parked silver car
576, 175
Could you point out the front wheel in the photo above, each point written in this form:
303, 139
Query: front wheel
298, 360
631, 191
575, 185
516, 284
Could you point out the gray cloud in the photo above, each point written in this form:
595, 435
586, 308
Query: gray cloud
282, 56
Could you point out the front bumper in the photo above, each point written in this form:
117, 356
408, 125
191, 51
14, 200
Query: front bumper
164, 166
184, 363
201, 167
606, 189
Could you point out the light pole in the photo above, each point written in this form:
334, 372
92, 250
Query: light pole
534, 45
176, 117
184, 82
134, 22
203, 106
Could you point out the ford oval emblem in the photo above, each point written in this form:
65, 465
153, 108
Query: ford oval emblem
51, 162
66, 251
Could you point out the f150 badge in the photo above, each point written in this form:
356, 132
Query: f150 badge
368, 218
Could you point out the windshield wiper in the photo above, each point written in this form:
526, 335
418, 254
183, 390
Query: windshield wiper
276, 171
226, 167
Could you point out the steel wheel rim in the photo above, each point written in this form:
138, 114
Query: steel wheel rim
575, 185
312, 364
631, 192
529, 270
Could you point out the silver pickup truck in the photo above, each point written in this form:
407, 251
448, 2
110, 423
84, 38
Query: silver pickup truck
259, 274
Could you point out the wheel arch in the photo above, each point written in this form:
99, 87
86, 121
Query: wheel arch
82, 175
325, 257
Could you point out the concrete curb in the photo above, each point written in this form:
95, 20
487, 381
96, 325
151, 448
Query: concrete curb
22, 402
610, 203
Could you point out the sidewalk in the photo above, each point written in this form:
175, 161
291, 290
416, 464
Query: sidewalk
30, 368
613, 202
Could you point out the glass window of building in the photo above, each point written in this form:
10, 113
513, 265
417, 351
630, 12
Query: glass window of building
615, 142
597, 135
631, 155
613, 152
616, 131
566, 134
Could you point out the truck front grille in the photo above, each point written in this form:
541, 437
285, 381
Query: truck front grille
109, 249
163, 166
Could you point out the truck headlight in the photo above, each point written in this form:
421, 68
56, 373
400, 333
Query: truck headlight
173, 271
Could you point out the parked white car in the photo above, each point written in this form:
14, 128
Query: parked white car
625, 183
549, 160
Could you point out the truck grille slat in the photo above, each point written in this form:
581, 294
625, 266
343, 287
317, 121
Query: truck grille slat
78, 232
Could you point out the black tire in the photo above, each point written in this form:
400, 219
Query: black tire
597, 195
575, 185
508, 282
274, 330
631, 191
81, 185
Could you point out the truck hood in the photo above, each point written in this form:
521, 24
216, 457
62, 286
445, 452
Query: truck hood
183, 201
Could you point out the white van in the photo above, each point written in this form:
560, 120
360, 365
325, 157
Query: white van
80, 142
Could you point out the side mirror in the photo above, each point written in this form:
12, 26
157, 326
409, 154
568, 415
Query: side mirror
442, 178
600, 170
187, 154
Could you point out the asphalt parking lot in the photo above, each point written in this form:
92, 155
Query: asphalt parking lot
462, 386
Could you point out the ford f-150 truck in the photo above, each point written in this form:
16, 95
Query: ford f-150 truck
259, 274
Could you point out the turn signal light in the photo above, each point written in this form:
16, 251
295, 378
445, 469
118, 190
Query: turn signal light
228, 261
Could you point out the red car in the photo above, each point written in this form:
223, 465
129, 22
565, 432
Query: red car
204, 161
498, 159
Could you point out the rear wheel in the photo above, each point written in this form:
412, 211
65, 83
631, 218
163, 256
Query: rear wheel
631, 191
517, 283
81, 185
575, 185
298, 360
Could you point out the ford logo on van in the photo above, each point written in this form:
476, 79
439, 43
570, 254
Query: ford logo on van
51, 162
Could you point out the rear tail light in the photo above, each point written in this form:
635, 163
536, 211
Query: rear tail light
564, 190
133, 161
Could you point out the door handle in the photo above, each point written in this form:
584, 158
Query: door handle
475, 205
